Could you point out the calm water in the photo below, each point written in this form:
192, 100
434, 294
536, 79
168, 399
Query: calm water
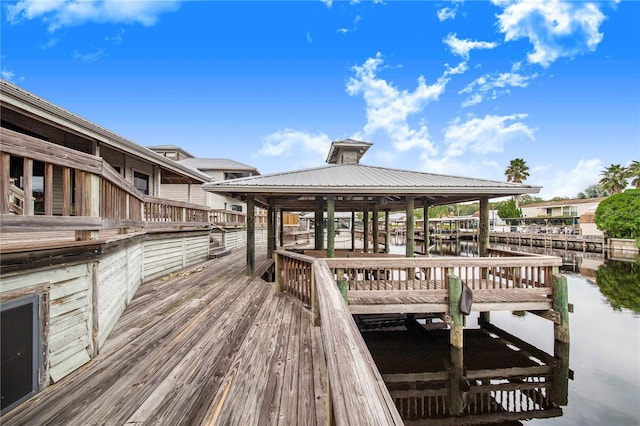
603, 357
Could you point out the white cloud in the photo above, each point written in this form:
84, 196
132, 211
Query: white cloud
463, 47
329, 3
560, 182
492, 86
449, 12
446, 13
555, 28
7, 75
389, 108
88, 57
309, 38
486, 135
61, 13
294, 143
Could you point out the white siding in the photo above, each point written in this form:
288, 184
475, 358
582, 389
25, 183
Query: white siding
164, 254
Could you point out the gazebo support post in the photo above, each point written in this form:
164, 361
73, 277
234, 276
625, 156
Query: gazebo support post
483, 247
387, 235
281, 233
331, 227
251, 235
376, 230
410, 251
483, 228
425, 225
271, 230
319, 226
365, 225
353, 230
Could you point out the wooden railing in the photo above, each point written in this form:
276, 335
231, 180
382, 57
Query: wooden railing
432, 273
81, 192
227, 217
358, 393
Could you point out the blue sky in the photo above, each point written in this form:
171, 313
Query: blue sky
454, 87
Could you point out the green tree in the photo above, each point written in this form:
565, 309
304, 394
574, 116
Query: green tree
614, 179
529, 199
517, 172
593, 191
618, 215
509, 210
633, 173
618, 282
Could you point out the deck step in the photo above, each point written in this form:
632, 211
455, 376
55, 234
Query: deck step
216, 252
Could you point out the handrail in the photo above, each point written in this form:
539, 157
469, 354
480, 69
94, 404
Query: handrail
357, 390
358, 393
103, 199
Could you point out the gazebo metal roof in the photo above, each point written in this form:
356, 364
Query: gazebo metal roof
359, 186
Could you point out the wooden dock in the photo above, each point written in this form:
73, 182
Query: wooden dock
203, 346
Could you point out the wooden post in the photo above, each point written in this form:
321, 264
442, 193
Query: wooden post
251, 235
456, 322
315, 306
342, 285
365, 226
27, 183
88, 200
456, 400
278, 274
319, 228
5, 166
376, 230
560, 385
561, 306
425, 225
271, 231
331, 228
353, 230
66, 191
48, 189
410, 249
483, 228
281, 228
387, 236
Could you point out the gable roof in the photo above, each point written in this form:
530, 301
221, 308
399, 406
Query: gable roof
357, 183
222, 164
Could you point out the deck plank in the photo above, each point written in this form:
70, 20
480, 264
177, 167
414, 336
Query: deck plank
207, 345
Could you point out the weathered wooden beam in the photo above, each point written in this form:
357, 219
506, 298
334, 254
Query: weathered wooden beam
561, 306
48, 189
5, 165
365, 224
331, 227
27, 182
319, 227
456, 322
483, 228
376, 230
410, 246
251, 235
271, 232
387, 236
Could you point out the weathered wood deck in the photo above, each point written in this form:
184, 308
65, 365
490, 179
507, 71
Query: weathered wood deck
204, 346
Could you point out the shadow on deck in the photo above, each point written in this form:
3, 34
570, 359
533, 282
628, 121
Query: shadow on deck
207, 345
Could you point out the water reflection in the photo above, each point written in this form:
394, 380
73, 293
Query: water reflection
619, 282
496, 378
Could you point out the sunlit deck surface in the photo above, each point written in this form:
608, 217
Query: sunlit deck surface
207, 345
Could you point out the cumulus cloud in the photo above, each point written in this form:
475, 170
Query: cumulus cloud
555, 28
89, 57
389, 108
61, 13
491, 86
449, 12
289, 143
463, 47
560, 182
486, 135
7, 75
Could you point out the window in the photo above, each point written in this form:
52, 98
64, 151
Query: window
141, 181
236, 207
570, 211
549, 211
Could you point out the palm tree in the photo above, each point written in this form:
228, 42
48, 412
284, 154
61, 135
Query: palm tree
614, 179
633, 173
517, 172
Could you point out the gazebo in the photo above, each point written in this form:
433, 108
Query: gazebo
346, 185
